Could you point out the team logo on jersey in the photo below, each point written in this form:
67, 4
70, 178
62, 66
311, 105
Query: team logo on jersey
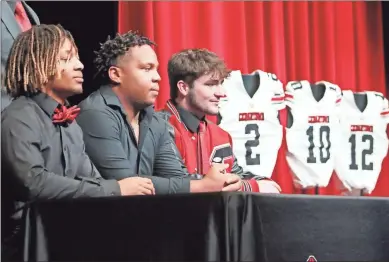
222, 154
311, 259
366, 128
251, 116
318, 119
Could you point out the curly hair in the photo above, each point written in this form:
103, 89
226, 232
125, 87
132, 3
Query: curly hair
112, 49
190, 64
33, 58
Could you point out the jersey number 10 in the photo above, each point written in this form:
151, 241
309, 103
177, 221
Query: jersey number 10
324, 131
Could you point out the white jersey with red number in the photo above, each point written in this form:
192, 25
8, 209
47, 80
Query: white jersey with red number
364, 142
253, 122
312, 138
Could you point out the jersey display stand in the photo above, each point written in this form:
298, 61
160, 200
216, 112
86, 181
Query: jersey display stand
315, 137
312, 132
361, 102
249, 113
364, 141
318, 93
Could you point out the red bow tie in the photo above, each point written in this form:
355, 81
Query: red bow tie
65, 115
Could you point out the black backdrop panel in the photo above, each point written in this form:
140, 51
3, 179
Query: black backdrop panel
90, 22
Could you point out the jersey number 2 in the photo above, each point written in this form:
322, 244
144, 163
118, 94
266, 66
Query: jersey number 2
352, 141
252, 143
323, 131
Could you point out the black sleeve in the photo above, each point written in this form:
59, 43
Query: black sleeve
25, 167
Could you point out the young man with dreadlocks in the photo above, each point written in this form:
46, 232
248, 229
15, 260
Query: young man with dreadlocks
42, 148
122, 134
195, 77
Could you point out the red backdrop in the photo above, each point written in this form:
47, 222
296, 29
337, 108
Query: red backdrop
341, 42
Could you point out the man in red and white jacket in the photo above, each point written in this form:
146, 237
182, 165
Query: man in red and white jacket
195, 77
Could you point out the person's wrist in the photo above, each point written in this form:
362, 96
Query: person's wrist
197, 186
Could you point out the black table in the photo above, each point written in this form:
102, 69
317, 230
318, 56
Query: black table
209, 227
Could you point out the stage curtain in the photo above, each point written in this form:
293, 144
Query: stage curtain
341, 42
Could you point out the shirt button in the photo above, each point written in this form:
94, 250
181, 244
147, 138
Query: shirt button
193, 138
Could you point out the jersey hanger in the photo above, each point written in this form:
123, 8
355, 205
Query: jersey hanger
251, 83
360, 100
318, 91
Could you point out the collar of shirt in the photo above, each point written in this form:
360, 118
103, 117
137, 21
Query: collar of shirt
190, 120
111, 100
47, 103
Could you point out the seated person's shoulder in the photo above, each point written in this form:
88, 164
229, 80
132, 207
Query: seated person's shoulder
162, 114
162, 123
217, 128
21, 110
93, 102
165, 118
213, 124
95, 109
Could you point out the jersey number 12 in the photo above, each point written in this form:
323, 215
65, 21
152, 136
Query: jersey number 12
352, 141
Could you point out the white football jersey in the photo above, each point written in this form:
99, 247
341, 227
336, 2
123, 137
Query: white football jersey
312, 138
253, 122
364, 142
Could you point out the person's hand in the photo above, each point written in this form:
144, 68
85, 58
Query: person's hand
233, 183
268, 186
136, 186
216, 178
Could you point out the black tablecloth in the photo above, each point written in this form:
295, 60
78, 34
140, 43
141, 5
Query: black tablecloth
210, 227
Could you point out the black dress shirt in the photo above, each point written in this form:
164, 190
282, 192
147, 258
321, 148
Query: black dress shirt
42, 160
111, 144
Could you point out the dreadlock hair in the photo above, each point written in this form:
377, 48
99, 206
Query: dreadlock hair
190, 64
112, 49
33, 59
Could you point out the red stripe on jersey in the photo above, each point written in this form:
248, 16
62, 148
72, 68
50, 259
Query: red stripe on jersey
278, 98
338, 100
384, 113
288, 96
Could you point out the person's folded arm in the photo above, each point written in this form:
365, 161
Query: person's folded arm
25, 169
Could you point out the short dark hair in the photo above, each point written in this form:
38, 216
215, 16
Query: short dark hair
33, 58
190, 64
112, 49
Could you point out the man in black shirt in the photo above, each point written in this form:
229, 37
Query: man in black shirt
123, 135
42, 149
